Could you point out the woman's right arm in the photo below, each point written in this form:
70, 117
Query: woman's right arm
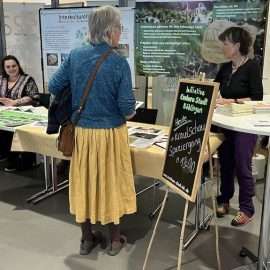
220, 79
60, 79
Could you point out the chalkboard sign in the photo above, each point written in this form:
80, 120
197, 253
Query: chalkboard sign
188, 136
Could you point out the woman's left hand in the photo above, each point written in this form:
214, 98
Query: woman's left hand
8, 102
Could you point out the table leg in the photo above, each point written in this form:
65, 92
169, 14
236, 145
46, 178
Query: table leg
265, 222
54, 174
51, 182
47, 181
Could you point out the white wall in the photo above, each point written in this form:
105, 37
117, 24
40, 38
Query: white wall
266, 67
23, 37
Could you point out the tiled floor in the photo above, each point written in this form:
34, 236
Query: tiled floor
44, 236
247, 267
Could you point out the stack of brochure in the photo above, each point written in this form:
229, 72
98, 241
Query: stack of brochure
262, 108
29, 109
142, 137
235, 109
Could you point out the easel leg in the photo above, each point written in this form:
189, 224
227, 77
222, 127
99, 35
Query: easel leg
182, 237
216, 230
155, 229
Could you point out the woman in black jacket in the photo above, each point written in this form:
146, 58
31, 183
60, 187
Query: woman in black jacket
240, 80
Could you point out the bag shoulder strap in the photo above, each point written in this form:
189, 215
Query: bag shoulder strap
90, 82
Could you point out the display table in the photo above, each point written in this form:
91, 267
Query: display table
246, 124
146, 161
243, 123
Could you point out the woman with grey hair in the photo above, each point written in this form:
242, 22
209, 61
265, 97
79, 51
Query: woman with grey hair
101, 178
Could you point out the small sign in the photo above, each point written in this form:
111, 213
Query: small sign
188, 136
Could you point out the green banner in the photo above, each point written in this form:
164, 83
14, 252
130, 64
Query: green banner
181, 38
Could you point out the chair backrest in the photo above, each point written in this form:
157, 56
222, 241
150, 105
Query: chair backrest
143, 115
44, 100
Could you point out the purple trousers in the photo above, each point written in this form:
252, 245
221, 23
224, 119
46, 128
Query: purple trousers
235, 156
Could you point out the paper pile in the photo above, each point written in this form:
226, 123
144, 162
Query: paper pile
262, 108
143, 137
235, 109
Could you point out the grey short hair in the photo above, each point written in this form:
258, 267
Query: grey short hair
103, 21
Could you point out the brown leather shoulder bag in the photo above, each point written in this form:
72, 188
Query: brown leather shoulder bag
66, 137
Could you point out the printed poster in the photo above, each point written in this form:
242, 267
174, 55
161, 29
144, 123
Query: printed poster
181, 38
65, 29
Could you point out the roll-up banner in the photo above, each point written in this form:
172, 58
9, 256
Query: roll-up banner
65, 29
23, 37
180, 38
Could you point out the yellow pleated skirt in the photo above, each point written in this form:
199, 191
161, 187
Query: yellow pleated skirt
101, 178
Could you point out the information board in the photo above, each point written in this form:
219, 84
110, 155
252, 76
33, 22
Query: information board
188, 136
180, 38
65, 29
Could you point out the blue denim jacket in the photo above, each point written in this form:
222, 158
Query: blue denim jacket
110, 99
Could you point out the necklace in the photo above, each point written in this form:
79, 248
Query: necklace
12, 83
236, 66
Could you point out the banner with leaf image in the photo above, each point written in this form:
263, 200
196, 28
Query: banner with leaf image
181, 38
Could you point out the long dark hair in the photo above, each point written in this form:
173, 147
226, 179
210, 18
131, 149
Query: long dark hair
237, 34
10, 57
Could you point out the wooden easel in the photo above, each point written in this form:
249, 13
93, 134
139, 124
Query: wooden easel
181, 240
194, 97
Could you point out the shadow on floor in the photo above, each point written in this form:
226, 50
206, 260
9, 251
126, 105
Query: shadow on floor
15, 188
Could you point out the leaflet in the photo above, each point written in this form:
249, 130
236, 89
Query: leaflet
142, 137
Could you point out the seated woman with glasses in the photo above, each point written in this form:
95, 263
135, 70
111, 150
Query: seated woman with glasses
240, 80
16, 89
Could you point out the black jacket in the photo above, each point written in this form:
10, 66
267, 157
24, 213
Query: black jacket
60, 111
